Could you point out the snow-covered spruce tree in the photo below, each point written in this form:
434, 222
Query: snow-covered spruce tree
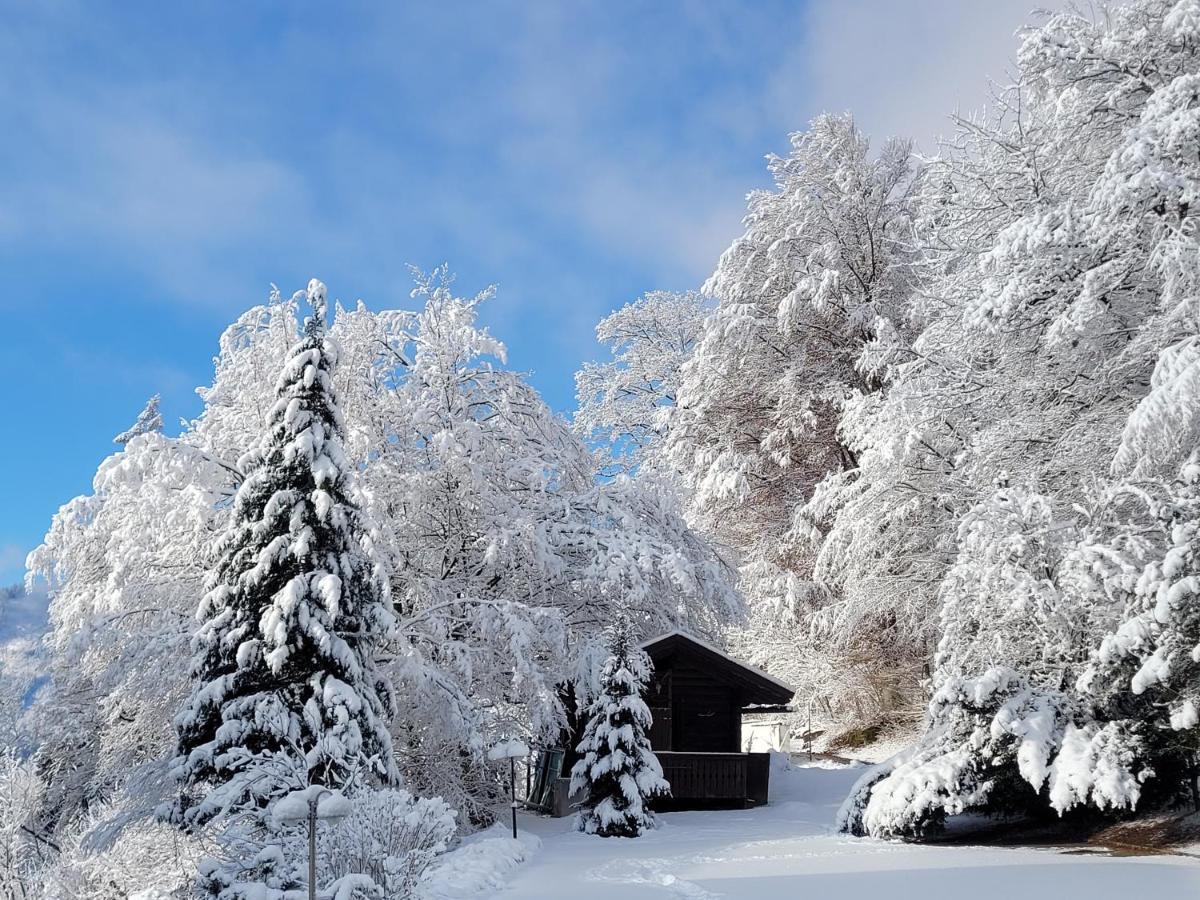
284, 667
148, 420
617, 769
1003, 665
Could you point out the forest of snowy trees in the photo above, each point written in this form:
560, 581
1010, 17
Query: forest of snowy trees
944, 415
926, 445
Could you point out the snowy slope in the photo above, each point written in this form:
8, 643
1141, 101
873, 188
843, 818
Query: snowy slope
24, 619
789, 850
22, 615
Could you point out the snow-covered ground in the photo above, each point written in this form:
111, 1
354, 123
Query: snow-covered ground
789, 849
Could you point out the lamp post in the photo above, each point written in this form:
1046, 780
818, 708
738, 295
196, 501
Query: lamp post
312, 803
512, 750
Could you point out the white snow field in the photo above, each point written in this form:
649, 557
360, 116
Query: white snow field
789, 850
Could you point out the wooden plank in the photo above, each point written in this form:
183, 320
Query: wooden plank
660, 728
758, 775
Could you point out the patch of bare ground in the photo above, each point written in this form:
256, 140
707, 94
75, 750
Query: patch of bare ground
1170, 833
1153, 835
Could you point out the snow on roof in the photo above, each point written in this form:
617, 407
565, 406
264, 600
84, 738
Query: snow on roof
709, 647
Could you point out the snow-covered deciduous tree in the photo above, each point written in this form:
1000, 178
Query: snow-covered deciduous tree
1054, 257
625, 404
617, 770
811, 310
1000, 605
505, 554
818, 276
22, 660
20, 855
294, 610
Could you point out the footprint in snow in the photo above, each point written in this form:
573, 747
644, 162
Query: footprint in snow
653, 872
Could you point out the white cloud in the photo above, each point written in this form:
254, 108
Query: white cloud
113, 174
902, 66
12, 558
584, 126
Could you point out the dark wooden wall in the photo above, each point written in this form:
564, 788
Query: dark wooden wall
694, 711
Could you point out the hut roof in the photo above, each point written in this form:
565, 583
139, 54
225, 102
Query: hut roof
758, 688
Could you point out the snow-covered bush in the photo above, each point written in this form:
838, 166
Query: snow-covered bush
987, 739
1144, 678
389, 836
1003, 661
480, 867
377, 847
244, 868
617, 769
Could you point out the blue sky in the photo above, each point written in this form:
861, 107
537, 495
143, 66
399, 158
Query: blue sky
162, 164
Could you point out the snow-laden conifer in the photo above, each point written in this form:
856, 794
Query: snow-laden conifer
285, 679
997, 709
148, 420
617, 769
1145, 675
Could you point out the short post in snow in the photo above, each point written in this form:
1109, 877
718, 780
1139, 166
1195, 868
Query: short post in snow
311, 803
512, 791
809, 736
512, 751
312, 846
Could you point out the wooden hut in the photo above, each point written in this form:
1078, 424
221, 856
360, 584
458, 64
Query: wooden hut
696, 695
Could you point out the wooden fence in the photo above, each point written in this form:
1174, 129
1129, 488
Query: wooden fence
723, 777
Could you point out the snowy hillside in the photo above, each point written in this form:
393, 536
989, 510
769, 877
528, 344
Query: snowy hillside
24, 620
23, 614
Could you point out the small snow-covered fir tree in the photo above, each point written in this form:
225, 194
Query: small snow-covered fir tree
284, 670
618, 770
148, 420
